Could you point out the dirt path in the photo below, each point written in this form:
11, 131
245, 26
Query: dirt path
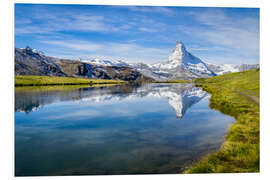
252, 97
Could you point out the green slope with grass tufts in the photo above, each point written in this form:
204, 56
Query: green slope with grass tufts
52, 80
235, 94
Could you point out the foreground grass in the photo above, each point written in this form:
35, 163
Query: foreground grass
51, 80
235, 94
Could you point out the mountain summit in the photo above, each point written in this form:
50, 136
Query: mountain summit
183, 65
177, 54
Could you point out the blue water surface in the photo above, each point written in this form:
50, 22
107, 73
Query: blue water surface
127, 129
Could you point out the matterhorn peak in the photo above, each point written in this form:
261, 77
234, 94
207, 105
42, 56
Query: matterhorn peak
179, 46
178, 53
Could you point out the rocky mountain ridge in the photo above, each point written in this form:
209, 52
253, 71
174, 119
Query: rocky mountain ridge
33, 62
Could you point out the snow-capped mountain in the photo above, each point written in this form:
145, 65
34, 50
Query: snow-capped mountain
229, 68
107, 62
181, 64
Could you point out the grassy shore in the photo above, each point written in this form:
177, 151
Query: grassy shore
235, 94
51, 80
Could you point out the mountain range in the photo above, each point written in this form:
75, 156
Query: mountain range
33, 62
181, 64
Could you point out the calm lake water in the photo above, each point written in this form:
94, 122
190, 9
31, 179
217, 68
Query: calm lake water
154, 128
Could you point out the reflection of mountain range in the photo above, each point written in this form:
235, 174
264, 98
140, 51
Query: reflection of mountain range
180, 96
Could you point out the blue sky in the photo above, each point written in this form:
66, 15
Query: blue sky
139, 33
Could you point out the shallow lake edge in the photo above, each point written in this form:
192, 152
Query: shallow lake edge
241, 149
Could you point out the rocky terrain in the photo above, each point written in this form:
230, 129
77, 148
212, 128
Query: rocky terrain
32, 62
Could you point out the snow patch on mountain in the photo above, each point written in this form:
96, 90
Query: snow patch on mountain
32, 51
107, 62
223, 68
230, 68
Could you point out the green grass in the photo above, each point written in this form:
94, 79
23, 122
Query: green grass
51, 80
174, 81
235, 94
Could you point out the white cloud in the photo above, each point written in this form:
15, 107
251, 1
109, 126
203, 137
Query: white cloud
160, 10
144, 29
75, 115
204, 48
238, 37
228, 59
228, 31
128, 51
76, 45
49, 24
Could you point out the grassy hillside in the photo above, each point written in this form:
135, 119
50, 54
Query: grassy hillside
235, 94
50, 80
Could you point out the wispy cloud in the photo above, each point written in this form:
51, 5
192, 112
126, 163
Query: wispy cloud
237, 36
75, 114
159, 10
128, 51
204, 48
228, 31
145, 29
75, 44
47, 21
49, 24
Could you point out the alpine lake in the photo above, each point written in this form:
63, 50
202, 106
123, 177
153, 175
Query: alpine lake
121, 129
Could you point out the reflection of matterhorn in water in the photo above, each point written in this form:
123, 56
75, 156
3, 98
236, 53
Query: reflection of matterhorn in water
180, 96
180, 103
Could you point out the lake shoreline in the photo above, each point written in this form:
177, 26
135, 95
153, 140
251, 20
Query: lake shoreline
237, 95
21, 81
